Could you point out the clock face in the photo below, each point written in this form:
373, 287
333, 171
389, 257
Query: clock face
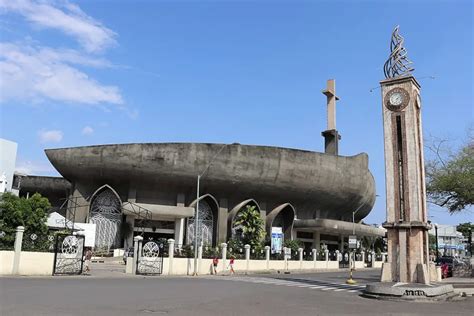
397, 99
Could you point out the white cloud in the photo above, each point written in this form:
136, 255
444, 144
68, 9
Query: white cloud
66, 17
87, 130
36, 73
35, 168
51, 136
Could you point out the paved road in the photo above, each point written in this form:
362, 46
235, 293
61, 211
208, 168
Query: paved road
294, 294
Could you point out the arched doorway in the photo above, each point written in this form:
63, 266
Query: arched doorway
205, 226
106, 213
234, 230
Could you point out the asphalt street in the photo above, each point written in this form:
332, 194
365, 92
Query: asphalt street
293, 294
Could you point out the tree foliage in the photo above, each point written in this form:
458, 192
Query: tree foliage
450, 177
30, 213
465, 229
251, 226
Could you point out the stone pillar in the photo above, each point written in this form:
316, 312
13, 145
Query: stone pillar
224, 256
363, 256
170, 255
136, 251
285, 258
326, 257
222, 221
247, 257
130, 219
199, 264
338, 254
267, 256
300, 256
373, 259
18, 243
317, 240
315, 257
341, 243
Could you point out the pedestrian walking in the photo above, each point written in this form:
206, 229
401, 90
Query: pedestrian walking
87, 260
231, 265
215, 262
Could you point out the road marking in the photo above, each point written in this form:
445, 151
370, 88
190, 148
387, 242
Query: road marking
313, 284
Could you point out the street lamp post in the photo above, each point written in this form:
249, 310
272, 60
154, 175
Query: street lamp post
196, 215
352, 255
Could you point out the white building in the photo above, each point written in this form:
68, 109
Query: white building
7, 164
450, 241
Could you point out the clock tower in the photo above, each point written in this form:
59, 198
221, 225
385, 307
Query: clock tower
406, 224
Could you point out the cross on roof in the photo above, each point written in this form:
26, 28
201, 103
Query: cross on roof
330, 93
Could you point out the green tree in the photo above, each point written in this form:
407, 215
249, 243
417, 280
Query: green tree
465, 229
251, 226
450, 176
30, 213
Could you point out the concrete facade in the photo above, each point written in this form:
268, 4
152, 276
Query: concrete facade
8, 151
160, 179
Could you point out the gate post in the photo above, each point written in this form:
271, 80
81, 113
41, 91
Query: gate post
267, 256
247, 257
224, 256
315, 257
18, 243
199, 264
170, 255
300, 257
373, 259
285, 257
136, 243
326, 257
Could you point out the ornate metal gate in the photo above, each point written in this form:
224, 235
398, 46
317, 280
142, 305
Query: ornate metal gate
150, 258
68, 254
344, 260
368, 260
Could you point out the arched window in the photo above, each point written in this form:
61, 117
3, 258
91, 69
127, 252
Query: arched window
205, 226
106, 213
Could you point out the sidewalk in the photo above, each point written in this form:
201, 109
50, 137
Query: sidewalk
461, 285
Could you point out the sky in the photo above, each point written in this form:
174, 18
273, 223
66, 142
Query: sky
77, 73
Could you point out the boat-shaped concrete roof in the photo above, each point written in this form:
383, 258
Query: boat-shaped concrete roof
331, 183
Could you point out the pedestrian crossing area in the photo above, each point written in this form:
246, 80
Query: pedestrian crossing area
320, 285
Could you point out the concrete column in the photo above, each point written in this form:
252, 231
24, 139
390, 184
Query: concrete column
373, 259
300, 256
263, 211
247, 257
136, 251
317, 240
199, 265
222, 221
267, 256
18, 243
326, 255
130, 219
341, 243
338, 254
170, 255
224, 256
179, 232
363, 256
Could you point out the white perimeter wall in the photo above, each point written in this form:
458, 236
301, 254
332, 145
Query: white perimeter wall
31, 263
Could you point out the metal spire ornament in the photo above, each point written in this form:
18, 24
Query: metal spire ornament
398, 64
